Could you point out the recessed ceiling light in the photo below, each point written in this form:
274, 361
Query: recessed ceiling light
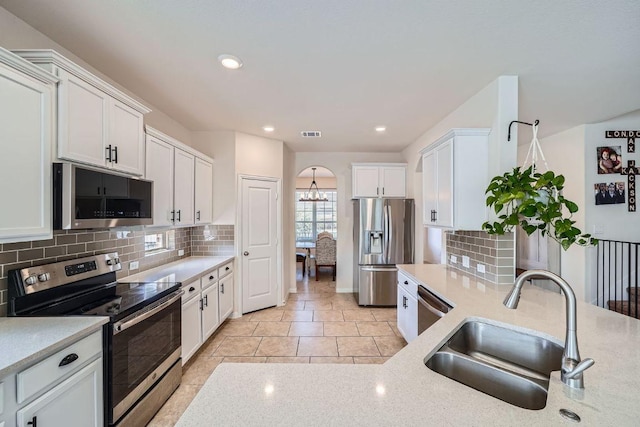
229, 61
380, 128
268, 128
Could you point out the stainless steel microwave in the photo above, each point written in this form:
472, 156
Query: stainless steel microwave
90, 198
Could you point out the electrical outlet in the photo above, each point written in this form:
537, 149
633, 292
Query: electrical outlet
180, 252
481, 268
454, 259
598, 229
134, 265
465, 261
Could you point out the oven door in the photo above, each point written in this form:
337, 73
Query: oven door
143, 347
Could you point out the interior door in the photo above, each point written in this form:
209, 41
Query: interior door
259, 246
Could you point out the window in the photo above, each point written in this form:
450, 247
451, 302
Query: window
315, 217
159, 241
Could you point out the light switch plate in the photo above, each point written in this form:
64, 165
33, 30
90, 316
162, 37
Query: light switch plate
180, 252
465, 261
134, 265
481, 268
454, 259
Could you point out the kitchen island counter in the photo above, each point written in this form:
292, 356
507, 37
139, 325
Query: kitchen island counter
404, 391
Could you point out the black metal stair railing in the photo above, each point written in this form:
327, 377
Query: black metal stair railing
617, 277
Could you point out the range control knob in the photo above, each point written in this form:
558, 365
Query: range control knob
111, 261
31, 280
44, 277
116, 260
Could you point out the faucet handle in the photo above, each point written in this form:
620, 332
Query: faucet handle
579, 369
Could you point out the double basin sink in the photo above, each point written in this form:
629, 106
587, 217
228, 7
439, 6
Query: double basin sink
510, 365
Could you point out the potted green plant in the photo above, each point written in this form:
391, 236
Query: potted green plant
534, 201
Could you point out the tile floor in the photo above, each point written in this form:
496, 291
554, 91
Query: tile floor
317, 325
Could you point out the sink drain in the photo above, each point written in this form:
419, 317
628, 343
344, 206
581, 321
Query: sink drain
572, 416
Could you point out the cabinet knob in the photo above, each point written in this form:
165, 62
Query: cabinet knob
191, 289
70, 358
210, 277
226, 269
406, 282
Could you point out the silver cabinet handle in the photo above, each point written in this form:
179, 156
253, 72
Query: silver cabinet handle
245, 253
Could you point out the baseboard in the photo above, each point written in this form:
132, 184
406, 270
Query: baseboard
344, 290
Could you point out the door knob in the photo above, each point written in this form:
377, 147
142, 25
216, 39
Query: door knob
246, 253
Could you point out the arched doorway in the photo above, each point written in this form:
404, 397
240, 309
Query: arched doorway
316, 215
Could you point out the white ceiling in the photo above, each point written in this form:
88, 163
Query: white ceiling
346, 66
320, 173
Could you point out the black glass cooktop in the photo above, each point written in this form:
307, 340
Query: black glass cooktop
127, 298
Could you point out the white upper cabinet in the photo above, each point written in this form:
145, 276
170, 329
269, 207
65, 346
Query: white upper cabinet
98, 124
27, 129
204, 191
379, 180
182, 181
454, 178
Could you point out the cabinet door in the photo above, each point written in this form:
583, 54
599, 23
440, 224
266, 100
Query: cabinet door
407, 315
82, 121
183, 190
210, 317
75, 402
429, 187
365, 181
393, 181
204, 191
126, 137
159, 169
444, 210
26, 135
191, 328
225, 296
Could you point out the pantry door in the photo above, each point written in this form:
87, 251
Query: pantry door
259, 243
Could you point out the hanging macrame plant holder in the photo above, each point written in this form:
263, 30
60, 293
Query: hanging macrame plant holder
534, 158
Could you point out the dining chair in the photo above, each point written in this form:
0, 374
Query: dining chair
325, 252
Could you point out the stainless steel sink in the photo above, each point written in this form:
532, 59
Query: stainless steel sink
509, 365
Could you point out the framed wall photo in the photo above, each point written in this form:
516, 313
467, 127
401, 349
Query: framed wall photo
609, 159
609, 193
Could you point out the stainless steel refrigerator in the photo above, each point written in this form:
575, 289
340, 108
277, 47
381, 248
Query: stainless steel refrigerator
383, 233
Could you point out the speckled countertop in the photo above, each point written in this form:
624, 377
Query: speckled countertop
25, 340
185, 270
405, 392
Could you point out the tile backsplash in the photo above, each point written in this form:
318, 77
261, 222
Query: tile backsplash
496, 253
212, 240
71, 244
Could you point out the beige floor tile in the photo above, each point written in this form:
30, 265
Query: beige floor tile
357, 346
196, 373
370, 360
328, 316
210, 345
294, 305
278, 346
342, 304
306, 329
317, 346
288, 359
243, 318
340, 329
297, 315
362, 314
238, 346
389, 346
385, 314
318, 305
272, 329
374, 329
237, 359
238, 329
176, 405
394, 327
267, 315
336, 360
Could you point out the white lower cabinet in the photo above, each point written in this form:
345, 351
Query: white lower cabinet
210, 317
225, 296
407, 313
191, 327
77, 401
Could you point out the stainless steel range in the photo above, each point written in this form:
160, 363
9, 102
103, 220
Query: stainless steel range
142, 341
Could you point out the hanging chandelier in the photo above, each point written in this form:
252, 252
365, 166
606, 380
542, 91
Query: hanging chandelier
313, 195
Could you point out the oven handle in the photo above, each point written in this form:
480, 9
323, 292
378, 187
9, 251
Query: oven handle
122, 326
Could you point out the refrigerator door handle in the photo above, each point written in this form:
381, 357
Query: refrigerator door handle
376, 268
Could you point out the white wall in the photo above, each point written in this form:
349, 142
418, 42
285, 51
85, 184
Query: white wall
259, 156
340, 165
565, 154
17, 34
288, 219
493, 107
322, 182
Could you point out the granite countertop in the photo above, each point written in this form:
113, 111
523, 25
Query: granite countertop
405, 392
25, 340
185, 270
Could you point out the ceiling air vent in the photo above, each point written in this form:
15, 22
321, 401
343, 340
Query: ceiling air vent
311, 134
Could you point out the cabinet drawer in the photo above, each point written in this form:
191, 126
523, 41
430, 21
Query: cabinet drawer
209, 279
191, 290
37, 378
407, 283
225, 269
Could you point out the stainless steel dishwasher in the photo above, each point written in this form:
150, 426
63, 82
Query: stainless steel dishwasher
430, 309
